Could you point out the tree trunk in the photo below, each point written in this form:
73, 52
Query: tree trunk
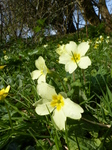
105, 15
1, 23
88, 12
70, 25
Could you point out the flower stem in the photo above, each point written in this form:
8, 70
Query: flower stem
73, 75
84, 76
66, 135
99, 124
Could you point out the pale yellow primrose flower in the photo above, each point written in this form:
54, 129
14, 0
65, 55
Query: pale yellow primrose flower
45, 45
65, 79
4, 92
101, 38
61, 49
42, 71
75, 56
107, 41
61, 107
89, 41
6, 57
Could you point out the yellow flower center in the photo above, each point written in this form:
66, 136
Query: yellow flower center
75, 57
42, 72
96, 46
57, 101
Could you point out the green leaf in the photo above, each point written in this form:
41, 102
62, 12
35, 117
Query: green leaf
35, 51
41, 22
37, 29
30, 148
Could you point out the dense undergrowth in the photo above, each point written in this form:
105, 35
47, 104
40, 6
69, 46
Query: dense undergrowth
20, 126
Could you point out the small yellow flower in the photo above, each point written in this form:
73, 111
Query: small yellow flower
4, 92
61, 42
89, 41
1, 67
4, 52
96, 46
65, 79
98, 41
61, 49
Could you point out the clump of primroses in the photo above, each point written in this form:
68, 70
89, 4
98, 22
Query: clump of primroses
61, 107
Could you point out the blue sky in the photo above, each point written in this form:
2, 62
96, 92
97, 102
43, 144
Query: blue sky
109, 5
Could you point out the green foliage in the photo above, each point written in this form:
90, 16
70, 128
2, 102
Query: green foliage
95, 31
37, 29
40, 25
41, 22
22, 128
